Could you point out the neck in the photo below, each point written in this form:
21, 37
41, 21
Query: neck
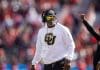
50, 26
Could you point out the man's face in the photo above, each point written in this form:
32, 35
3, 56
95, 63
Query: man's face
50, 18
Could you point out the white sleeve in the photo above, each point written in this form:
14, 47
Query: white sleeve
69, 42
37, 56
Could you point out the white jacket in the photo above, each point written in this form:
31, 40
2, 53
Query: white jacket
53, 44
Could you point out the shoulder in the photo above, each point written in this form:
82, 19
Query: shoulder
63, 28
40, 30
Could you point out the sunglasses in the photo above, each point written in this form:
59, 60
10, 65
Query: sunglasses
50, 17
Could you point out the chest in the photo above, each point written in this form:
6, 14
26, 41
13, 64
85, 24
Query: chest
51, 37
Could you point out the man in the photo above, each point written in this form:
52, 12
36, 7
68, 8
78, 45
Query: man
55, 46
96, 56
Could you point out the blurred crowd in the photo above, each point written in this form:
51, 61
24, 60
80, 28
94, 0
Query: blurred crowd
20, 21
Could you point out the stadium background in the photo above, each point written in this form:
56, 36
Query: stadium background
20, 21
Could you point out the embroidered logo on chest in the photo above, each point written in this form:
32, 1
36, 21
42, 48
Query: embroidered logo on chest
50, 38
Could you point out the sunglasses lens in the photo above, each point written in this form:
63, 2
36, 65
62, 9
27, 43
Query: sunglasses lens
50, 17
